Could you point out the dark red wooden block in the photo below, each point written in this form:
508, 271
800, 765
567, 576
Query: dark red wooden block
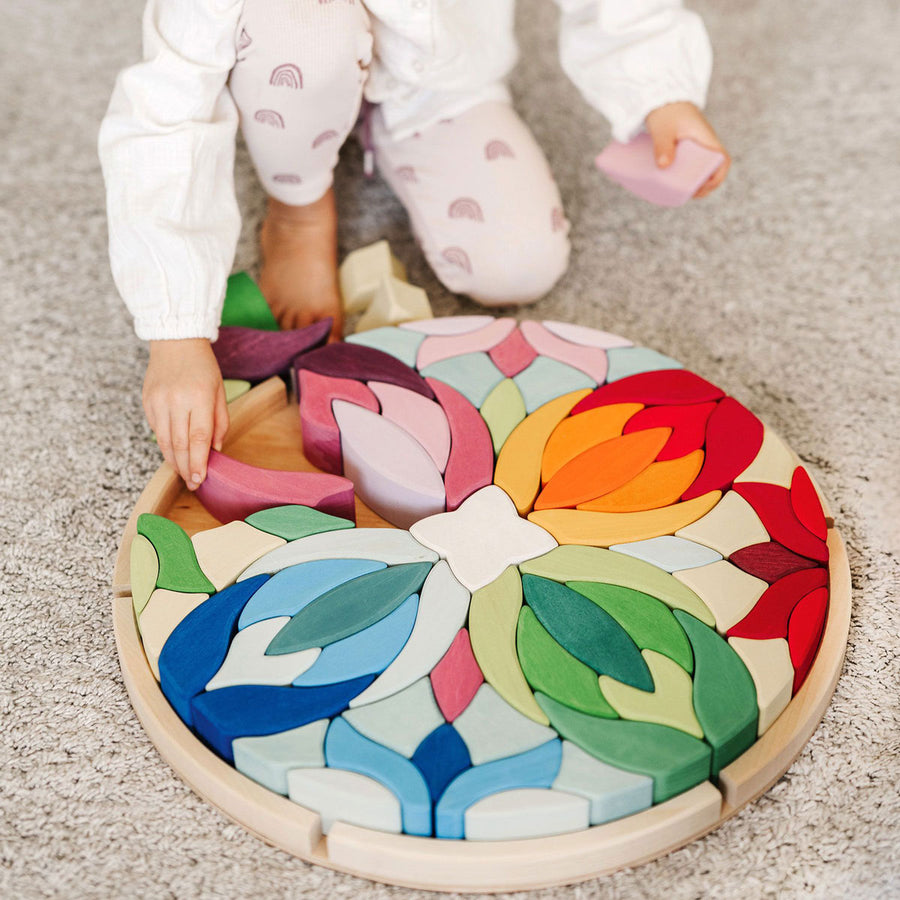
255, 355
806, 504
688, 424
769, 561
805, 632
671, 386
769, 618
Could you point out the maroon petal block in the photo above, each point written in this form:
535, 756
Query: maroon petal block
254, 355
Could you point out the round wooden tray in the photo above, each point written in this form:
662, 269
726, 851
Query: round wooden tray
265, 431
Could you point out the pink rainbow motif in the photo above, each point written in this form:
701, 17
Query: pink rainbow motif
287, 179
557, 219
244, 40
406, 173
287, 75
329, 135
269, 117
456, 256
465, 208
495, 149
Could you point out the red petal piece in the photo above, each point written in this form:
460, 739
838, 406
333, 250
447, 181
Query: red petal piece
513, 354
769, 561
457, 677
806, 504
688, 424
669, 386
769, 618
805, 632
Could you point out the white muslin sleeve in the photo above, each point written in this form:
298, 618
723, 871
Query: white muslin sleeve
166, 148
628, 57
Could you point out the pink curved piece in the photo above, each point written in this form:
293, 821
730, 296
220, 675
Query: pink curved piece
456, 678
437, 347
589, 337
234, 490
590, 360
321, 437
471, 462
513, 354
254, 355
447, 325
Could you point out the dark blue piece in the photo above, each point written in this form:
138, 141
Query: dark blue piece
253, 710
197, 647
440, 757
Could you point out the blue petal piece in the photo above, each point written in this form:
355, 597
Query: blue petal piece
440, 757
535, 769
249, 710
196, 649
292, 588
346, 748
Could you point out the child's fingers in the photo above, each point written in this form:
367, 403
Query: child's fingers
200, 435
163, 432
715, 179
220, 429
179, 422
664, 140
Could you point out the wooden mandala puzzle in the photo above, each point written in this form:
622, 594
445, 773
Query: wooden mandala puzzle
497, 606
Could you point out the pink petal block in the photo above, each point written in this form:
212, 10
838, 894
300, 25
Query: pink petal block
633, 166
471, 462
390, 469
448, 325
456, 678
590, 360
438, 347
234, 490
590, 337
423, 419
321, 437
513, 354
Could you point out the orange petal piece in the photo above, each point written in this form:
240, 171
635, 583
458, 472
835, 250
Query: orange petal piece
660, 484
602, 469
579, 433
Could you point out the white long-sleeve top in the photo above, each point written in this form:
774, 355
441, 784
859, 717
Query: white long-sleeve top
167, 141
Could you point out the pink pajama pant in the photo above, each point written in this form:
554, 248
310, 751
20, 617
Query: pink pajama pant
481, 198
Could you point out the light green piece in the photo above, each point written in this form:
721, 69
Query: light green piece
503, 410
268, 759
546, 379
625, 361
245, 304
144, 572
572, 562
294, 522
474, 375
179, 569
234, 388
397, 342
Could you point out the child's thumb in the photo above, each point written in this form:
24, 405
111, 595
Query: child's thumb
664, 147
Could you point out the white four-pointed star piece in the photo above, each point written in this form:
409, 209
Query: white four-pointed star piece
482, 537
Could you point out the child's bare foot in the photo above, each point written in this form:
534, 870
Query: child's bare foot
299, 263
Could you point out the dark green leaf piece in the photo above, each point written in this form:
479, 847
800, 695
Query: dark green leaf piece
349, 608
674, 760
178, 566
245, 304
295, 522
588, 632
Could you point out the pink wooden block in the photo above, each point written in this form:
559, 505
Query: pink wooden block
253, 355
456, 678
234, 490
513, 354
633, 166
438, 347
590, 360
448, 325
423, 419
321, 437
471, 462
590, 337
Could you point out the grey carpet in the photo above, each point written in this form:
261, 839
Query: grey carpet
783, 288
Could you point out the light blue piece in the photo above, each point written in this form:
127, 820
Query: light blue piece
268, 759
346, 748
546, 379
398, 342
287, 592
625, 361
474, 375
367, 652
537, 768
669, 552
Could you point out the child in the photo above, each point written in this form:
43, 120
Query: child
481, 198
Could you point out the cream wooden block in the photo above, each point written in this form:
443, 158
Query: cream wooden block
269, 758
727, 590
224, 552
769, 665
164, 610
362, 271
526, 813
729, 526
774, 463
393, 302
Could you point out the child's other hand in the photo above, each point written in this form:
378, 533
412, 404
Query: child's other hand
671, 123
184, 400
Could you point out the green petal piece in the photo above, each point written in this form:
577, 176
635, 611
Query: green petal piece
144, 572
295, 522
674, 760
588, 632
554, 671
349, 608
503, 410
724, 694
234, 388
178, 566
648, 621
245, 304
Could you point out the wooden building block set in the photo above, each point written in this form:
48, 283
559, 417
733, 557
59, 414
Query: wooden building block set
496, 606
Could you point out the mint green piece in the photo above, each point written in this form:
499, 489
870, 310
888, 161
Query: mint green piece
625, 361
546, 379
503, 409
648, 621
724, 694
144, 572
178, 566
295, 522
234, 388
397, 342
674, 760
474, 375
245, 304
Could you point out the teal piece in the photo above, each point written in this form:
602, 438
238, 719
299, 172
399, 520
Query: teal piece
669, 553
349, 608
474, 375
546, 379
674, 760
586, 631
625, 361
178, 566
269, 758
346, 748
295, 522
245, 305
724, 695
397, 342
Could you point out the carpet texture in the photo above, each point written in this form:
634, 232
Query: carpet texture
782, 288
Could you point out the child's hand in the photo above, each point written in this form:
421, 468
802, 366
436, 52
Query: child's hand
670, 123
184, 400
